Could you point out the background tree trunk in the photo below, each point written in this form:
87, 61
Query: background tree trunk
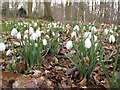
47, 11
39, 10
68, 10
119, 12
30, 9
7, 9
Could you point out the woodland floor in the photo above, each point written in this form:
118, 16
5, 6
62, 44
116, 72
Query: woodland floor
56, 72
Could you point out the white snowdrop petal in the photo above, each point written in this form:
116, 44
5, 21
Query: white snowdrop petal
87, 43
69, 44
44, 42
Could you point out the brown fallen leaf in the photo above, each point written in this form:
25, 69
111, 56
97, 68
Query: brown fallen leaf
83, 82
56, 60
16, 43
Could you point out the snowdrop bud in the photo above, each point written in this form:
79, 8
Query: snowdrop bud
96, 45
38, 34
8, 52
76, 28
55, 25
87, 35
111, 39
18, 35
25, 37
2, 47
117, 34
14, 32
115, 27
73, 34
95, 38
58, 39
31, 30
47, 36
26, 32
33, 36
36, 44
94, 29
111, 31
87, 43
53, 33
69, 44
44, 42
35, 24
105, 32
58, 34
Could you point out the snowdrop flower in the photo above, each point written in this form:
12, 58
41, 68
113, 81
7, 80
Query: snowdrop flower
23, 43
8, 52
55, 25
117, 34
111, 39
58, 34
35, 24
111, 31
25, 37
38, 33
36, 44
47, 36
14, 32
18, 35
115, 27
96, 45
87, 35
33, 36
73, 34
105, 32
94, 29
26, 32
44, 42
76, 28
87, 43
95, 38
53, 33
31, 30
69, 44
2, 47
49, 25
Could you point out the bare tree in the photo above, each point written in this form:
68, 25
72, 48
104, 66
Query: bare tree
68, 10
7, 9
47, 11
119, 12
30, 9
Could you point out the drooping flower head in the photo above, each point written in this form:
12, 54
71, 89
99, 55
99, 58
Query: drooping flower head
73, 34
2, 47
105, 32
44, 42
69, 44
18, 35
76, 28
112, 39
14, 32
87, 43
31, 30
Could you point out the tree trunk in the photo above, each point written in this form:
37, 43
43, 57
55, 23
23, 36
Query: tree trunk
47, 11
81, 11
7, 9
39, 10
16, 6
68, 10
119, 12
30, 9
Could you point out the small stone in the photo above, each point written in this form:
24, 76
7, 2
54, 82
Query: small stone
58, 68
